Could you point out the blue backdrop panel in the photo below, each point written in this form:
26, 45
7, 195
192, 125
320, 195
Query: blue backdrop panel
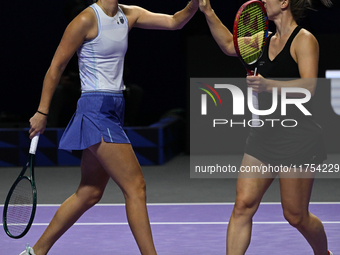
153, 145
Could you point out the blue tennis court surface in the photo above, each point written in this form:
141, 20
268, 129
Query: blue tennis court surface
188, 229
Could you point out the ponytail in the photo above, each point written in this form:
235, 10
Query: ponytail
298, 7
327, 3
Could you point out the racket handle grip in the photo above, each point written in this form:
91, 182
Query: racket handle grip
256, 119
34, 144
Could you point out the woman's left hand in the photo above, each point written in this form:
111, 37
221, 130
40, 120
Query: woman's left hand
258, 83
204, 5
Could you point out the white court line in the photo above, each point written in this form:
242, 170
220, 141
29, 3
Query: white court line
184, 204
183, 223
263, 203
179, 223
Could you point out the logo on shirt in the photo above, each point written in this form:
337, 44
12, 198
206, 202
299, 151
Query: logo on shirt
121, 19
261, 63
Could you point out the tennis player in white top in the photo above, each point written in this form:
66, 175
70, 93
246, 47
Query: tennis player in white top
99, 35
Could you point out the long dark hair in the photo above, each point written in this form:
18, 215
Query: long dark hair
298, 7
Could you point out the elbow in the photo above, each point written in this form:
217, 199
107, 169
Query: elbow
312, 86
229, 53
58, 68
307, 84
312, 92
176, 22
55, 71
228, 49
176, 26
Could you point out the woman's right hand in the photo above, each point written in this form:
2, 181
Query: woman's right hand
38, 124
204, 5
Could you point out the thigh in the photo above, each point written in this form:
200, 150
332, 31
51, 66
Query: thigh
92, 172
295, 194
250, 188
119, 162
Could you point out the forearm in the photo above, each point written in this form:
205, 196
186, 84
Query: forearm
182, 17
51, 81
305, 83
221, 34
39, 119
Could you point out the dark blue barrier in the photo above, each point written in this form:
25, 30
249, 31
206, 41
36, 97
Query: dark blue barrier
153, 145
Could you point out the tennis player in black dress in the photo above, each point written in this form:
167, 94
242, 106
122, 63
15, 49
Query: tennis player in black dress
291, 52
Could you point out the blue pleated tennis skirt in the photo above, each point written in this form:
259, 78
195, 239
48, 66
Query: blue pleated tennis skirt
98, 115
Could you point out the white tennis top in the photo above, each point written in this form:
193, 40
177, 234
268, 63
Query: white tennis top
101, 60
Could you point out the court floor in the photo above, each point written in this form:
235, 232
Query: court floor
178, 229
188, 216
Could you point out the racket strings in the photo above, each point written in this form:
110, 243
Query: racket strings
20, 207
251, 33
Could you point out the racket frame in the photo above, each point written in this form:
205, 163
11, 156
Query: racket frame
30, 163
236, 46
237, 18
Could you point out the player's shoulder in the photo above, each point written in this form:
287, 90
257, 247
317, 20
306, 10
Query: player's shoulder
128, 8
305, 41
305, 37
86, 18
131, 9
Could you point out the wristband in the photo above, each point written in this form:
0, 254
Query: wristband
45, 114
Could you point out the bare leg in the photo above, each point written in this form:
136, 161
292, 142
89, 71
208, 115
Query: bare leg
92, 185
121, 164
295, 196
99, 163
249, 192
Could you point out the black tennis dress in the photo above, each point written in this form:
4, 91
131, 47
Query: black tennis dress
278, 145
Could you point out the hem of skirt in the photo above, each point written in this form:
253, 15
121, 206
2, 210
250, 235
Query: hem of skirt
80, 148
265, 160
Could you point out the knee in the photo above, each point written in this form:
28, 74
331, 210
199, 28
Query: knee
295, 219
136, 189
89, 195
244, 208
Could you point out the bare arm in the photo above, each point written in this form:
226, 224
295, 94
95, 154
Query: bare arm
139, 17
221, 33
75, 34
305, 51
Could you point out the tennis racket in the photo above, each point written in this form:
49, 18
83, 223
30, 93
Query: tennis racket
21, 201
250, 33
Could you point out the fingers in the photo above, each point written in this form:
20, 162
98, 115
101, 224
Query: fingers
195, 3
33, 133
253, 80
255, 83
204, 5
256, 88
37, 124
